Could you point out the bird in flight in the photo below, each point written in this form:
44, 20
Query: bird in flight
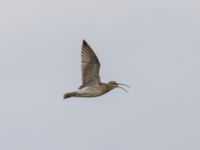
91, 83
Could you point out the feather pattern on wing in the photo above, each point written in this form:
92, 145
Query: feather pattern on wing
90, 65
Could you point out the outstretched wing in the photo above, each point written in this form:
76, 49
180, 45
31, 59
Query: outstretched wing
90, 65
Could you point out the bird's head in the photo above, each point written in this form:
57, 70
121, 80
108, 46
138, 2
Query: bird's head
114, 84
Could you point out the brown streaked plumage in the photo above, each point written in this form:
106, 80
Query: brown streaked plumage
91, 84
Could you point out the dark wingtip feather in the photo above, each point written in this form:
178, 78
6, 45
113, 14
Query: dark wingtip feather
84, 42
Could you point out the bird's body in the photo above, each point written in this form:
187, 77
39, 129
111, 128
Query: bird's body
90, 91
91, 84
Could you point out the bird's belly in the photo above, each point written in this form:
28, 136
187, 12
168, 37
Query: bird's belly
89, 92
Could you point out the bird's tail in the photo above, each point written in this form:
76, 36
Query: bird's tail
68, 95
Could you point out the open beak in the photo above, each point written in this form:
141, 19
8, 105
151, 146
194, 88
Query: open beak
122, 87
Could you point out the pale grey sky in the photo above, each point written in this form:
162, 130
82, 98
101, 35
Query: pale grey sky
151, 45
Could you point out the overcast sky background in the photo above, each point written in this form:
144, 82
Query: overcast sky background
151, 45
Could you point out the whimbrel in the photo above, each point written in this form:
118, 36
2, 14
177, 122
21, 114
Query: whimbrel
91, 84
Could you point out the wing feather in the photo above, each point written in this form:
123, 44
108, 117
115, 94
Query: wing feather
90, 65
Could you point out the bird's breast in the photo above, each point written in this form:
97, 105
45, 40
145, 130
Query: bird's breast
92, 91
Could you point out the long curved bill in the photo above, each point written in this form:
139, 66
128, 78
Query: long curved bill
123, 84
122, 87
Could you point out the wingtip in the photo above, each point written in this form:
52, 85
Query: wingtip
84, 42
